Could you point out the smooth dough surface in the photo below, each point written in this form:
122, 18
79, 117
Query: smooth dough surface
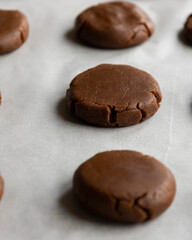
114, 95
114, 25
124, 186
14, 30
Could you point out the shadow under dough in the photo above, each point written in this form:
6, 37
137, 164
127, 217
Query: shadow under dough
183, 39
65, 114
68, 202
191, 107
70, 35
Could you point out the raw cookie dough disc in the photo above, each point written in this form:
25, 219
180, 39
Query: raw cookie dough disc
124, 186
188, 28
14, 30
1, 186
114, 95
114, 25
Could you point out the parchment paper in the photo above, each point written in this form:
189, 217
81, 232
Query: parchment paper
42, 144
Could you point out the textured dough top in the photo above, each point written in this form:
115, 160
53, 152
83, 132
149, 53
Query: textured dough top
126, 174
129, 178
114, 24
118, 86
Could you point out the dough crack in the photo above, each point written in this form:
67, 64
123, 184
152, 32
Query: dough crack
112, 118
147, 28
74, 103
135, 33
156, 96
143, 113
117, 202
145, 210
21, 35
133, 203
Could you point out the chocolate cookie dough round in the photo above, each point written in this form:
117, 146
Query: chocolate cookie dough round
114, 25
14, 30
114, 95
124, 186
188, 28
1, 186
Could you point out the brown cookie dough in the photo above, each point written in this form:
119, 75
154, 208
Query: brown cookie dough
113, 95
124, 186
14, 30
188, 28
114, 25
1, 187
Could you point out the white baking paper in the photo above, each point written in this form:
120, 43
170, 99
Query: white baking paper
42, 144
